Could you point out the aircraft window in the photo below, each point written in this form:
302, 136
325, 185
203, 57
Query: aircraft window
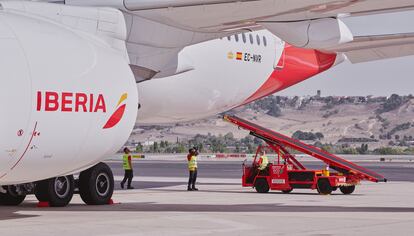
258, 40
237, 37
251, 38
229, 38
244, 37
264, 41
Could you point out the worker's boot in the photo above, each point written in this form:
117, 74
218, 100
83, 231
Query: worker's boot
194, 188
189, 189
122, 185
130, 187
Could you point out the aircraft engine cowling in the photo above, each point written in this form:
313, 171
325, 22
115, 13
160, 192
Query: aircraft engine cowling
67, 99
317, 34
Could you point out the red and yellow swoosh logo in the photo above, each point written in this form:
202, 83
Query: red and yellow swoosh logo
118, 114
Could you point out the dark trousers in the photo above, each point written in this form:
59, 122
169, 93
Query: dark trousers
264, 172
129, 174
254, 172
192, 179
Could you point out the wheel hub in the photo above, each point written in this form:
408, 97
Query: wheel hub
62, 186
102, 184
14, 190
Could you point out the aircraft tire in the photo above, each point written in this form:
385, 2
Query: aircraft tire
58, 192
41, 190
11, 198
96, 185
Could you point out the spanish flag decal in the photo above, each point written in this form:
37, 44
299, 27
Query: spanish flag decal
239, 56
118, 114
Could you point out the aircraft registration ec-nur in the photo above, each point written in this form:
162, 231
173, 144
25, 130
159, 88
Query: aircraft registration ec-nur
78, 74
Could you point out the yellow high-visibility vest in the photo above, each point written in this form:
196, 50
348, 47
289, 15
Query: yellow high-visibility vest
265, 162
126, 162
192, 163
325, 172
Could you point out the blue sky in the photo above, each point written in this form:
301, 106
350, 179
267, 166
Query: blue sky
379, 78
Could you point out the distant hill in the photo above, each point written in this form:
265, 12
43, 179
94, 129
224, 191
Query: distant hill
339, 121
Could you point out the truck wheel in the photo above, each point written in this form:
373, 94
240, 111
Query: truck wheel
347, 189
261, 185
58, 192
96, 185
11, 198
324, 187
287, 191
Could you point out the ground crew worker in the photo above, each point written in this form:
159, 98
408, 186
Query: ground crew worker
127, 165
325, 172
263, 162
192, 168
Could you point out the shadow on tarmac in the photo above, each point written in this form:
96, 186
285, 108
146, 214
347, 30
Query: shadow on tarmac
8, 213
252, 191
12, 213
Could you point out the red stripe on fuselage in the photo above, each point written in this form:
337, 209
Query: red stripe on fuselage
299, 64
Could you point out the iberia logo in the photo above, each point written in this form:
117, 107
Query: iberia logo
118, 114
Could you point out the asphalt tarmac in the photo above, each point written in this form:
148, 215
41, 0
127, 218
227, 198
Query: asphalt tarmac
160, 205
392, 171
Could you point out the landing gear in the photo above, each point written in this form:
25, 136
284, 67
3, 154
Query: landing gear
12, 196
58, 192
96, 185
